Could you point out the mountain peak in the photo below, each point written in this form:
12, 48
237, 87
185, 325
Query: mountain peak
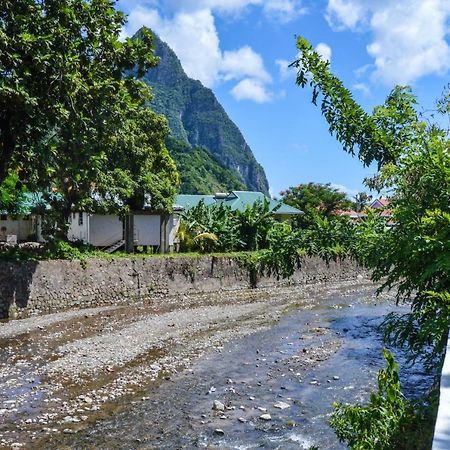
196, 117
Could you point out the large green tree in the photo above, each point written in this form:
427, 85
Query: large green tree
315, 200
66, 106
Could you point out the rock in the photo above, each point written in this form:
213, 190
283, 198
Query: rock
219, 431
86, 399
281, 405
211, 390
335, 377
265, 417
260, 408
242, 419
218, 406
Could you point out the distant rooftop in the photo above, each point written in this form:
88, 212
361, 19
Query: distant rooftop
236, 200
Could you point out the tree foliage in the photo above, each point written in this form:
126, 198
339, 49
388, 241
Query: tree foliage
374, 426
388, 421
381, 137
413, 256
315, 200
233, 229
200, 172
67, 110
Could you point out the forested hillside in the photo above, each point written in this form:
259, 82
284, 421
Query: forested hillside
197, 118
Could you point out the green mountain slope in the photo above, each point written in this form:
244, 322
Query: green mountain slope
200, 172
197, 118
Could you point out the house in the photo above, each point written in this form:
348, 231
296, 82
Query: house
381, 205
24, 225
239, 200
354, 216
16, 228
149, 228
107, 231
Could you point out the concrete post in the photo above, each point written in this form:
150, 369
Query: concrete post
163, 233
129, 233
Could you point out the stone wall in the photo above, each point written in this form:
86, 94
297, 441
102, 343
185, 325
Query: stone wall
31, 288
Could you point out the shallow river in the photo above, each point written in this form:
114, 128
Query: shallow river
308, 360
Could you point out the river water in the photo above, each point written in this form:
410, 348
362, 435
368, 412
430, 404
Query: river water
308, 360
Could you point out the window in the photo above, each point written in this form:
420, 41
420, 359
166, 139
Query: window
4, 217
80, 219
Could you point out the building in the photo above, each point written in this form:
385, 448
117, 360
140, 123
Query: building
107, 231
149, 228
238, 200
24, 225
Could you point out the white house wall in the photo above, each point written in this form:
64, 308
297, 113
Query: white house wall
19, 227
173, 226
78, 230
104, 230
147, 229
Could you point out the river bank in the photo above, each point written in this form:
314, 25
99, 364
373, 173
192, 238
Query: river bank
74, 373
32, 288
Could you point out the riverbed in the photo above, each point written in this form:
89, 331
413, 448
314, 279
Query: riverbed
239, 370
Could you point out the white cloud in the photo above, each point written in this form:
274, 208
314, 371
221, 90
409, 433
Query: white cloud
279, 10
244, 62
342, 14
251, 89
346, 190
409, 38
283, 10
226, 6
324, 51
363, 88
286, 72
196, 43
361, 71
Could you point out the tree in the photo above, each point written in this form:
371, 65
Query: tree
65, 104
255, 222
413, 158
315, 199
12, 195
382, 137
361, 200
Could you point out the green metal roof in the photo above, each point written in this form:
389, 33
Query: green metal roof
236, 200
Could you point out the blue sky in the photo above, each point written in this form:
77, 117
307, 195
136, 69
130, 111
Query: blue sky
241, 48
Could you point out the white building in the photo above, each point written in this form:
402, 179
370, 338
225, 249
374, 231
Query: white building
20, 227
107, 231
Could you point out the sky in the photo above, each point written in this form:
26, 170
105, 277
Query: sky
241, 49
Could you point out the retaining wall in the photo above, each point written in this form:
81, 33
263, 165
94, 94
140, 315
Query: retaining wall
32, 288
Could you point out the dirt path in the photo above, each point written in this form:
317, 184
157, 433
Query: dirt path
62, 372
